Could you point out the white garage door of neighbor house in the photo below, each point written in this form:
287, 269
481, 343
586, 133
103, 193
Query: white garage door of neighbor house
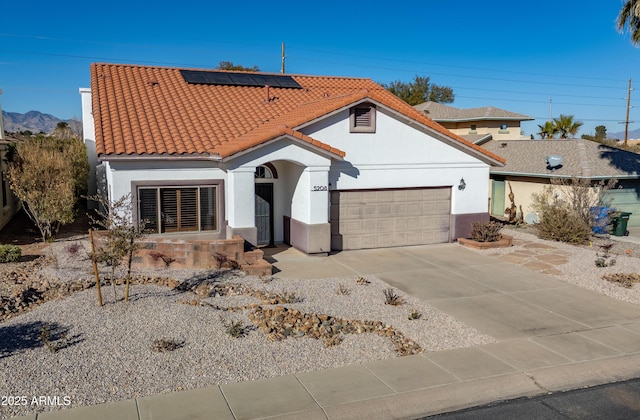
390, 217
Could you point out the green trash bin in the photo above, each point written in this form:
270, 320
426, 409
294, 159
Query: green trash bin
620, 224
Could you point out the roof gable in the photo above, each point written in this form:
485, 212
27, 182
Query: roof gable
443, 113
154, 111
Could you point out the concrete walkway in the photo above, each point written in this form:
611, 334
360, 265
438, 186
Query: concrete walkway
551, 336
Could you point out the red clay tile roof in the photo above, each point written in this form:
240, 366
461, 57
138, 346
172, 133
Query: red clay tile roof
141, 110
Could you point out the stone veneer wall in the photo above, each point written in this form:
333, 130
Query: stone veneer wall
190, 253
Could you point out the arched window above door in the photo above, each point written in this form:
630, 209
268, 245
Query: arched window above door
266, 171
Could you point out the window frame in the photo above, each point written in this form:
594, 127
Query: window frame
353, 118
219, 195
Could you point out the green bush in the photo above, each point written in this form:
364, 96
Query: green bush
9, 253
560, 224
486, 232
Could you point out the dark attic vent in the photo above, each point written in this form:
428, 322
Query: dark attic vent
201, 77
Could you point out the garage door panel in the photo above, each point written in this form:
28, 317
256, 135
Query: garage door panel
372, 219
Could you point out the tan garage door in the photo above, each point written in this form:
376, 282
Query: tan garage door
390, 217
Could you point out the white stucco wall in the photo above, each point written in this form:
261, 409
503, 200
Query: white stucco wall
89, 133
120, 175
401, 156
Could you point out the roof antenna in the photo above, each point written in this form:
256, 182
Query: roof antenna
283, 57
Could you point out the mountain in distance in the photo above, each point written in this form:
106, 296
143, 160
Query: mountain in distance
35, 122
632, 135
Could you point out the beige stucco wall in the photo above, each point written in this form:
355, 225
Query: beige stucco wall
522, 192
524, 188
488, 127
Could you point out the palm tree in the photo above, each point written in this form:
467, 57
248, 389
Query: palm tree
566, 126
547, 131
629, 19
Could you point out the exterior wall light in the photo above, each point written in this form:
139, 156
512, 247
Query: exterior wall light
462, 185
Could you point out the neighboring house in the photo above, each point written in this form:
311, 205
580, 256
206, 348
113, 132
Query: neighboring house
321, 163
527, 172
477, 125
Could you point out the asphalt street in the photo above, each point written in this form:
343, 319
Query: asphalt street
615, 401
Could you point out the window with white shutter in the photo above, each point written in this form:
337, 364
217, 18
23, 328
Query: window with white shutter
179, 209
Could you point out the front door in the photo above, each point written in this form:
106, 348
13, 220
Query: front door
264, 213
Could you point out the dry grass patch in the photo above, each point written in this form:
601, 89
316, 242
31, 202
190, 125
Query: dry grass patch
623, 279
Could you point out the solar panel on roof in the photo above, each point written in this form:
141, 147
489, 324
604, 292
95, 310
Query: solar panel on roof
238, 79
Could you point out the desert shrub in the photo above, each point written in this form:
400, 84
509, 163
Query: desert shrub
53, 338
362, 281
157, 256
605, 262
576, 195
289, 297
9, 253
343, 290
164, 345
72, 249
560, 224
486, 231
222, 261
415, 314
49, 175
235, 329
392, 298
623, 279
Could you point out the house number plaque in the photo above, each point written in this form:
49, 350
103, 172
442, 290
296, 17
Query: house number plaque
319, 188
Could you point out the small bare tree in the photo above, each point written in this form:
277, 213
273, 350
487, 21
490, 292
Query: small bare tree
121, 236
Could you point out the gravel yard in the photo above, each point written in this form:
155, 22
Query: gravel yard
105, 353
101, 354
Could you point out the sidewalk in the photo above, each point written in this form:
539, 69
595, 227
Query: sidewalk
551, 336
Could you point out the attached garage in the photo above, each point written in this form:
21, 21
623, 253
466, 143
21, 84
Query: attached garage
389, 217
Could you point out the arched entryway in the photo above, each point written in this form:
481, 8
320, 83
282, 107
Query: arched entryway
279, 193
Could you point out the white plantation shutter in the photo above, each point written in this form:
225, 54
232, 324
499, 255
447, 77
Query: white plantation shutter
169, 209
179, 209
187, 209
149, 207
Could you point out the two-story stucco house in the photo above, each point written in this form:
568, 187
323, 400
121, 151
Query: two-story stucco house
476, 124
323, 163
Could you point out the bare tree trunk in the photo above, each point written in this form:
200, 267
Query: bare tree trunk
126, 289
95, 267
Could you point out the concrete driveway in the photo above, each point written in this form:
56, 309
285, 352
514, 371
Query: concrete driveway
501, 299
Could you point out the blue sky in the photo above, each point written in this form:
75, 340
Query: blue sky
511, 55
